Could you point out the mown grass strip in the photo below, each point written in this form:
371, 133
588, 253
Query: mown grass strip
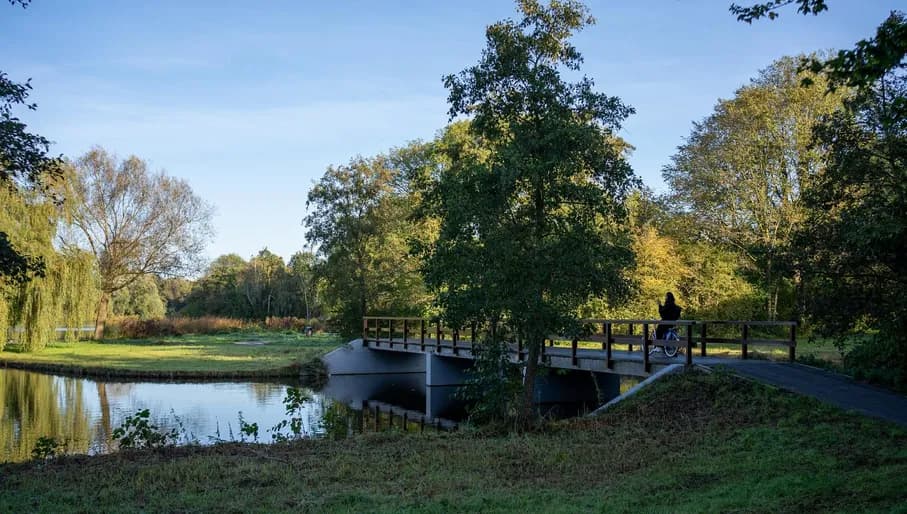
691, 443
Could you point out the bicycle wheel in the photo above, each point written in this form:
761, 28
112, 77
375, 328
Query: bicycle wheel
670, 347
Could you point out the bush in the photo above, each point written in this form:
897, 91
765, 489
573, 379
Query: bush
293, 323
135, 328
879, 360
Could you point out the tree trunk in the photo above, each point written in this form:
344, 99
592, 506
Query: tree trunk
101, 319
532, 366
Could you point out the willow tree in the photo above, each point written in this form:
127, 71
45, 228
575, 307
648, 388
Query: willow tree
65, 290
531, 207
135, 222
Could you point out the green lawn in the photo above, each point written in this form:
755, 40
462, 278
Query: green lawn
203, 355
690, 443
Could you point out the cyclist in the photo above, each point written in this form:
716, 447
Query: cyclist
670, 311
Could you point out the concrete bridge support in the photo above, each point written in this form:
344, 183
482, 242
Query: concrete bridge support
443, 377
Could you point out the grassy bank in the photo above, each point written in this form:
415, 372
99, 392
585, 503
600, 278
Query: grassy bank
246, 353
692, 443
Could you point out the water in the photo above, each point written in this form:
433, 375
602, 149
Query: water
84, 412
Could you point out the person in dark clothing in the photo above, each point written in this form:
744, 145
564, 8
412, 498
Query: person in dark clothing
668, 312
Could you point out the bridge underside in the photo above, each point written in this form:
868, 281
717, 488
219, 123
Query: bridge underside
357, 375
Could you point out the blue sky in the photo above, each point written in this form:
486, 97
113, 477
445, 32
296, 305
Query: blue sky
251, 101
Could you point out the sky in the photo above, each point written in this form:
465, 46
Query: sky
249, 102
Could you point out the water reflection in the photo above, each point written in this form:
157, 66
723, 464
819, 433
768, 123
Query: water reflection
83, 413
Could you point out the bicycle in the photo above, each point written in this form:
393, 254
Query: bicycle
669, 345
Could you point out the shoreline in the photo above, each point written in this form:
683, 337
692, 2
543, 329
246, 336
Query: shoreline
291, 371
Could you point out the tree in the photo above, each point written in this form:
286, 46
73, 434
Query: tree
63, 293
23, 164
304, 281
853, 244
135, 222
531, 207
218, 292
862, 67
359, 221
141, 298
740, 172
264, 286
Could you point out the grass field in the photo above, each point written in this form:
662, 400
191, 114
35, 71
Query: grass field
690, 443
234, 354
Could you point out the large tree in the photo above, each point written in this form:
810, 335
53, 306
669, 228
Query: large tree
359, 220
740, 172
531, 205
854, 244
135, 222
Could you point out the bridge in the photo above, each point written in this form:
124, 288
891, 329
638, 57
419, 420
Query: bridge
432, 355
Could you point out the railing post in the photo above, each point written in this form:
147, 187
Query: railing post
472, 335
422, 335
364, 331
390, 333
630, 333
689, 345
608, 340
456, 335
438, 333
645, 347
743, 345
702, 336
792, 349
405, 334
573, 344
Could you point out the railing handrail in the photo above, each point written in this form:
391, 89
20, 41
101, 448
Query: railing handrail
435, 329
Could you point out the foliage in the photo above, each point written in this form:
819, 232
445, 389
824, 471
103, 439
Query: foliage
247, 429
868, 62
530, 207
493, 387
749, 14
361, 224
261, 288
137, 328
24, 165
740, 173
46, 448
138, 432
141, 298
135, 222
64, 294
852, 247
294, 403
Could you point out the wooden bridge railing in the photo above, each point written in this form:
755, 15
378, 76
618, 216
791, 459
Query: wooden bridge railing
414, 332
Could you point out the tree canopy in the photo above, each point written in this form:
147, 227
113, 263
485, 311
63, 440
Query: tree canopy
135, 222
531, 206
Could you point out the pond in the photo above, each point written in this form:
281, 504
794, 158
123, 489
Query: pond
83, 413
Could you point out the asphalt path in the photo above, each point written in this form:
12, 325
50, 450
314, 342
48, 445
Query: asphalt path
826, 386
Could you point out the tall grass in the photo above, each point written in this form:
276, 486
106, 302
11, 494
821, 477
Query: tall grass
135, 328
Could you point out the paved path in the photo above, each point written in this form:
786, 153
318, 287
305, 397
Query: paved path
828, 387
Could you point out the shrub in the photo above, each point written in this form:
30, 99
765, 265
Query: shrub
46, 448
131, 327
138, 432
